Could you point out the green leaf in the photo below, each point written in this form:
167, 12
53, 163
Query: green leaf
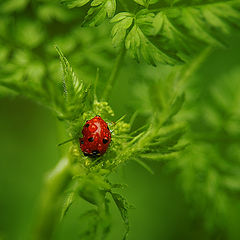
123, 22
142, 2
159, 156
75, 3
133, 30
144, 165
186, 28
141, 47
99, 11
175, 107
76, 97
67, 204
209, 169
145, 3
70, 81
177, 31
89, 190
123, 207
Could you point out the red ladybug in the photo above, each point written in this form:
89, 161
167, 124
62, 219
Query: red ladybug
96, 137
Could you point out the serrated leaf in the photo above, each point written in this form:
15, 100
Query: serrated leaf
123, 207
186, 28
141, 47
177, 31
99, 11
72, 86
123, 22
120, 16
77, 97
68, 76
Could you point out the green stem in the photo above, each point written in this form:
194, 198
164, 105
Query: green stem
114, 74
188, 70
52, 199
196, 63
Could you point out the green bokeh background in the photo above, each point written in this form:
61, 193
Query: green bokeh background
29, 135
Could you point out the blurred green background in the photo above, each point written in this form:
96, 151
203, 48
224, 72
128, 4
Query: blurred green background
29, 133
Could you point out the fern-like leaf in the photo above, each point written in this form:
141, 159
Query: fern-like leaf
174, 33
76, 94
209, 169
98, 12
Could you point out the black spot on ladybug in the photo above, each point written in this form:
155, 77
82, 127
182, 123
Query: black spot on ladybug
87, 125
105, 140
95, 153
86, 154
91, 139
82, 142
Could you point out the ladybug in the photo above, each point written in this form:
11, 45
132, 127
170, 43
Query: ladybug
96, 137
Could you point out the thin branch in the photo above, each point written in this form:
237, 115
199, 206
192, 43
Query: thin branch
51, 200
114, 74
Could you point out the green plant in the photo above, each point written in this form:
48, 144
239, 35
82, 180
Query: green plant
158, 32
89, 179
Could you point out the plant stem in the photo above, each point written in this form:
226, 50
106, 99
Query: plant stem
196, 63
114, 73
190, 69
51, 200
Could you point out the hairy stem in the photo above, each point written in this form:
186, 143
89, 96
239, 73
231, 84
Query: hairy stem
114, 74
51, 200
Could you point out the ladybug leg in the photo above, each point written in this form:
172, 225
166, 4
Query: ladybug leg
95, 153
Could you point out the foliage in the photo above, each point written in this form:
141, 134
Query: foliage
159, 140
157, 32
209, 169
74, 102
168, 32
28, 33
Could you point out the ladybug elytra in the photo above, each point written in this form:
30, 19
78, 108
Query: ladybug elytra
96, 137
